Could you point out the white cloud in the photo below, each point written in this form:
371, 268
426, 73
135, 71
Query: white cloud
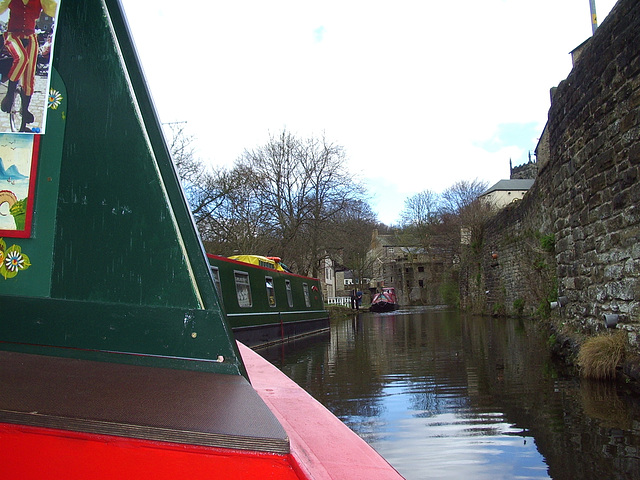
416, 86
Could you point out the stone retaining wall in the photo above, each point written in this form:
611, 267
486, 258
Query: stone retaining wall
577, 231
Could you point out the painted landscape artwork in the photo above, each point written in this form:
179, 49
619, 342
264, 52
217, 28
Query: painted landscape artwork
17, 175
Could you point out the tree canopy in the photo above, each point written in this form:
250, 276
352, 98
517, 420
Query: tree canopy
296, 198
292, 197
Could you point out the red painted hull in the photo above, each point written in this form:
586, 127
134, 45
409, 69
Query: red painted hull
36, 453
321, 446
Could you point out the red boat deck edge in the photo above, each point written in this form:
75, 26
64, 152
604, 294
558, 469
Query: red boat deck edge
33, 453
322, 446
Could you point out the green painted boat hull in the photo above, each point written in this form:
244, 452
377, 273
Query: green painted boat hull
282, 305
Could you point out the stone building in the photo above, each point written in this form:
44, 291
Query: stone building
520, 181
327, 274
507, 191
527, 170
415, 270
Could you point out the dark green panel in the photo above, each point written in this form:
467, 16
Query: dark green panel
158, 336
116, 237
118, 272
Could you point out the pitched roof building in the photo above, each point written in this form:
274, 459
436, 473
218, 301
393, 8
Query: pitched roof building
506, 191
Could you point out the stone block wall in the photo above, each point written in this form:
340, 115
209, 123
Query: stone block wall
516, 267
587, 195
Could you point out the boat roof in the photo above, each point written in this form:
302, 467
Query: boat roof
267, 262
219, 258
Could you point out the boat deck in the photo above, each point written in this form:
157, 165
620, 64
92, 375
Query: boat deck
195, 408
75, 419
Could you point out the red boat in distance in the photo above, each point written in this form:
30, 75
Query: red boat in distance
385, 301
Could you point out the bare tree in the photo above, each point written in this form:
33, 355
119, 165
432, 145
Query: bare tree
333, 191
282, 188
203, 188
349, 238
421, 209
291, 197
463, 216
233, 219
301, 184
461, 195
182, 148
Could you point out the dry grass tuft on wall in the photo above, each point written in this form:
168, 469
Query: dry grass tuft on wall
599, 356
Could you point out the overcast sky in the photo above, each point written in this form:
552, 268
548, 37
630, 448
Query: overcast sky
420, 94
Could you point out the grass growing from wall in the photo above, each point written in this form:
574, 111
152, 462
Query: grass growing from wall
450, 292
544, 269
548, 243
599, 356
518, 306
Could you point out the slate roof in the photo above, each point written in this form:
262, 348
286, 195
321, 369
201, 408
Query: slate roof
511, 185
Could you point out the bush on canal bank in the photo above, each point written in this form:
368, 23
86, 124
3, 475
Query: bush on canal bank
600, 356
607, 356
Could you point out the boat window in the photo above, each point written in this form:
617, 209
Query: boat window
243, 289
289, 293
264, 264
307, 298
216, 281
271, 292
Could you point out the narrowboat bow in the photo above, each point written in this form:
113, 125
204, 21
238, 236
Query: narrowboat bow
116, 357
385, 301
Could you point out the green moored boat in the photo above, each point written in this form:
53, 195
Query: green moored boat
265, 303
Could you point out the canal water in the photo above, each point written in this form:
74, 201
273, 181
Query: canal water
443, 395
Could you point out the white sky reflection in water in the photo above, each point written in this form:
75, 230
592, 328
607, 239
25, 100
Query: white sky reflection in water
450, 441
445, 395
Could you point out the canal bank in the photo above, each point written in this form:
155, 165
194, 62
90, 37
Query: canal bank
565, 339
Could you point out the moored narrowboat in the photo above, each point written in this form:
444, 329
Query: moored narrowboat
264, 303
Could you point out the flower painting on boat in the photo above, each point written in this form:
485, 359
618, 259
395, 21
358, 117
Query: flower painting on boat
12, 260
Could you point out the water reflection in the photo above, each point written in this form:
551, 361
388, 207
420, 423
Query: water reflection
444, 395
